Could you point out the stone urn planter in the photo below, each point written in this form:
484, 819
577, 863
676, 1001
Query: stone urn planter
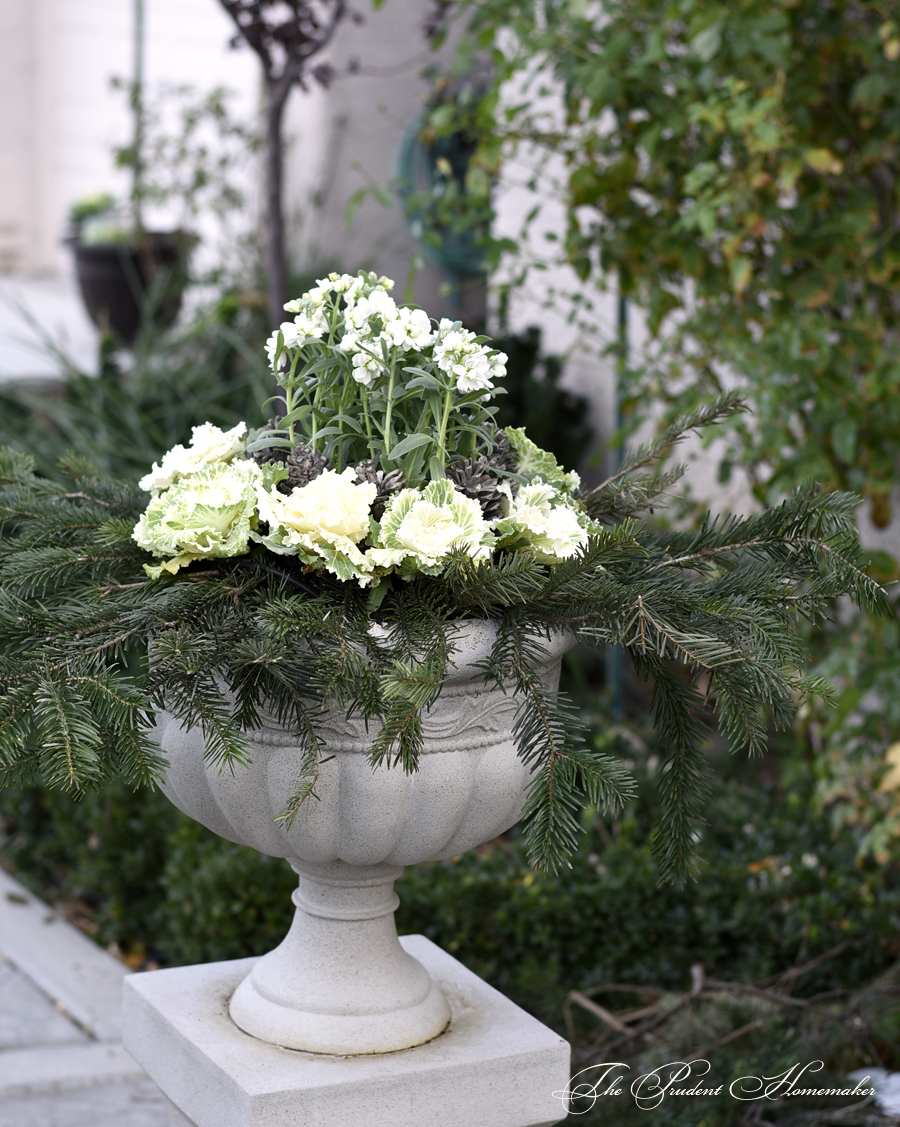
340, 982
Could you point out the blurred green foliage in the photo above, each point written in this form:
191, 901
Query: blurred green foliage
555, 418
855, 747
778, 887
141, 403
736, 167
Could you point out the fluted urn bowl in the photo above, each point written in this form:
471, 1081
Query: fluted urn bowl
340, 982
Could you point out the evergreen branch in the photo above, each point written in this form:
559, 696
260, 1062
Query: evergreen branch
408, 690
548, 734
400, 739
683, 785
515, 578
182, 681
633, 495
310, 765
708, 414
69, 737
138, 758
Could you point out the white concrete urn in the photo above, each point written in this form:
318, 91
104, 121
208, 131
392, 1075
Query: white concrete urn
340, 982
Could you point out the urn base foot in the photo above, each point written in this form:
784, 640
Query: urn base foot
340, 982
338, 1034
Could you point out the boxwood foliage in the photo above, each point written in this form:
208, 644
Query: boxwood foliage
777, 888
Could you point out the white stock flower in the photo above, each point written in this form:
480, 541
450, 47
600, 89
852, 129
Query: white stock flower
209, 444
365, 368
473, 365
349, 286
317, 296
474, 374
421, 527
204, 516
272, 351
322, 522
309, 324
410, 330
544, 517
365, 333
377, 305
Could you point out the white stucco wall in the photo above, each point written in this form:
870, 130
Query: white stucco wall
59, 116
59, 119
348, 137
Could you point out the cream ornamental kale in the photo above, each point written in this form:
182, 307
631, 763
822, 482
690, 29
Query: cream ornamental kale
386, 497
202, 516
422, 527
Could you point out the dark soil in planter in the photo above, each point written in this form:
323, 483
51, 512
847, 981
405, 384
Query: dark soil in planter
123, 283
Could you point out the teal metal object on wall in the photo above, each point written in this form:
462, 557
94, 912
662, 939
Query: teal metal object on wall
425, 172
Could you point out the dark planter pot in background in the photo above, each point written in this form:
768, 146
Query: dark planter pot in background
122, 283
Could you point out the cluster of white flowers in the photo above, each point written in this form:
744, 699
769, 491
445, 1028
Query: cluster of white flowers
410, 330
374, 324
458, 353
210, 500
364, 296
370, 325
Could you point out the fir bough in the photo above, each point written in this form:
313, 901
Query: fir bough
709, 614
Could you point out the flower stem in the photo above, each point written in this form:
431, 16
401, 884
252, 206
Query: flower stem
388, 437
333, 323
445, 418
367, 419
315, 418
289, 383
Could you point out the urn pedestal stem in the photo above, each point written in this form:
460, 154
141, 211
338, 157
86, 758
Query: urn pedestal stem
340, 982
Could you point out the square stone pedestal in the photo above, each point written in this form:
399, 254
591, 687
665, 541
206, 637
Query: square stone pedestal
494, 1066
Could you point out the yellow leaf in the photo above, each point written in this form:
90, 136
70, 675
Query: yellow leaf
892, 50
731, 246
823, 160
788, 174
891, 780
741, 273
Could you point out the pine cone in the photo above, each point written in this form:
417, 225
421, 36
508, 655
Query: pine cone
270, 453
475, 477
502, 457
304, 464
386, 483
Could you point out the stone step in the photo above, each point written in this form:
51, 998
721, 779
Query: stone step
62, 1063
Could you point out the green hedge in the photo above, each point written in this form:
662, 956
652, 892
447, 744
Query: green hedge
162, 887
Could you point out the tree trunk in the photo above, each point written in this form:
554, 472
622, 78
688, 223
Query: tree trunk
276, 249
